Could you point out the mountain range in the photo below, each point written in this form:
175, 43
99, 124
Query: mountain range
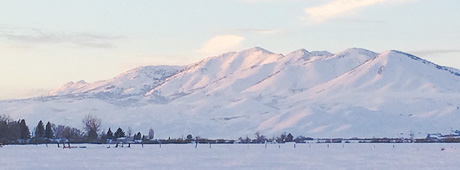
353, 93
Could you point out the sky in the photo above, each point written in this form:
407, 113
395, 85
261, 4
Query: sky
47, 43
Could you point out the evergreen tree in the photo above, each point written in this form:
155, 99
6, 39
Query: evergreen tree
3, 130
40, 130
119, 133
14, 131
138, 136
145, 138
92, 134
3, 127
189, 137
49, 131
289, 138
282, 138
109, 134
24, 132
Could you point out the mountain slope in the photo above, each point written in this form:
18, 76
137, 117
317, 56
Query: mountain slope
394, 92
319, 67
217, 69
355, 92
137, 81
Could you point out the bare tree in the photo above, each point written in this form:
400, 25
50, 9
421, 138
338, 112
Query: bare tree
259, 137
68, 132
92, 125
129, 131
151, 133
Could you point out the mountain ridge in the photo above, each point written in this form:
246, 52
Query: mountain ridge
353, 93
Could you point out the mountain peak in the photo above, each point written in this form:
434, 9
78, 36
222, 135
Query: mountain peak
256, 49
396, 53
303, 54
302, 50
356, 51
298, 52
67, 88
406, 54
402, 55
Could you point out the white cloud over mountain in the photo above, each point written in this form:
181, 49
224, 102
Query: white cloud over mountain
220, 44
339, 8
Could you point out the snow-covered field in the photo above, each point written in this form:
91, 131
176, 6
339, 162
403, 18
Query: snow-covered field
234, 156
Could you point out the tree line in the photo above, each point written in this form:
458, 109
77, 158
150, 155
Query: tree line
18, 132
13, 130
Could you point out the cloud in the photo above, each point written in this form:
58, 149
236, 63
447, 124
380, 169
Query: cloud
337, 8
220, 44
33, 36
267, 0
251, 31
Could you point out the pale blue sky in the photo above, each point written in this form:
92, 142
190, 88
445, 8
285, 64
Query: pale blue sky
46, 43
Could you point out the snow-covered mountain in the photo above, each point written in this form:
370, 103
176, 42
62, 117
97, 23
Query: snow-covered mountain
137, 81
354, 93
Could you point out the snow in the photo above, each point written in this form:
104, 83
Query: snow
354, 93
227, 67
303, 54
234, 156
133, 82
